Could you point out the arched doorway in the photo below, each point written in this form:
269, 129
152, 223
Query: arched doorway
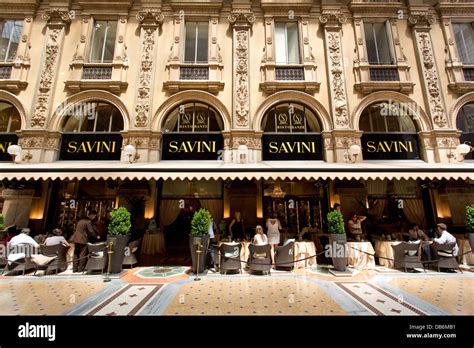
291, 131
10, 122
91, 131
390, 132
465, 123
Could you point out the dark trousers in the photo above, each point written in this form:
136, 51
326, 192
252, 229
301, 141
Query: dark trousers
79, 260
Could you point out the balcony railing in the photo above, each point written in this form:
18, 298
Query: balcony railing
96, 72
468, 74
194, 73
5, 72
384, 74
289, 74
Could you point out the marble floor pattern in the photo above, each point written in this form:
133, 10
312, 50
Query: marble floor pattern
172, 291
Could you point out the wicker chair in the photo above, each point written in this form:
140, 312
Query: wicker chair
285, 256
23, 264
259, 258
229, 259
404, 258
59, 264
97, 258
130, 257
443, 256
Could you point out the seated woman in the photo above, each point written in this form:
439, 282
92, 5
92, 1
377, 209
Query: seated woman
56, 238
355, 225
260, 238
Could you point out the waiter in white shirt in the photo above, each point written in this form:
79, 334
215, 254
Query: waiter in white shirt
445, 237
23, 238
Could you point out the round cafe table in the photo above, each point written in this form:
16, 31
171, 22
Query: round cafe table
153, 243
357, 257
384, 248
464, 247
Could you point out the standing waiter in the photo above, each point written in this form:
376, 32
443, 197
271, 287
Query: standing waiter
84, 230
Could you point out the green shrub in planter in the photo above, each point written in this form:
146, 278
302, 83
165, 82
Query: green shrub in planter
200, 222
1, 221
470, 218
335, 222
119, 222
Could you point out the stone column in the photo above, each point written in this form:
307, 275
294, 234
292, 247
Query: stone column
17, 206
444, 139
332, 19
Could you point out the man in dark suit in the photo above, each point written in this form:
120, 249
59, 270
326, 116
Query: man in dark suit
84, 231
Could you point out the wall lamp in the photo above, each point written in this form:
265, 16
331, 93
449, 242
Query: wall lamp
17, 154
351, 155
461, 151
131, 154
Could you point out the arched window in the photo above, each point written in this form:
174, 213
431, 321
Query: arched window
93, 117
291, 132
10, 122
192, 131
465, 123
194, 118
390, 131
91, 131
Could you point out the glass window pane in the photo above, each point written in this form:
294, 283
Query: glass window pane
364, 123
370, 43
293, 43
408, 125
203, 38
11, 32
465, 119
201, 116
103, 120
392, 123
117, 120
383, 43
464, 35
190, 42
110, 42
298, 119
280, 43
72, 124
98, 38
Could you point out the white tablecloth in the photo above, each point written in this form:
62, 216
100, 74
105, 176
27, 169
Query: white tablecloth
384, 248
303, 250
153, 243
357, 257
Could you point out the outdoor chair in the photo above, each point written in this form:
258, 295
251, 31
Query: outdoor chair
443, 256
285, 256
259, 258
97, 257
407, 255
59, 263
130, 253
229, 258
22, 264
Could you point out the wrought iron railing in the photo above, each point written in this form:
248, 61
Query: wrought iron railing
384, 74
468, 74
96, 72
289, 74
194, 73
5, 72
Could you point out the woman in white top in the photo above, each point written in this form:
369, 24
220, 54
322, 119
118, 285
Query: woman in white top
260, 238
273, 232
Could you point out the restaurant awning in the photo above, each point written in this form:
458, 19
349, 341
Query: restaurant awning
289, 170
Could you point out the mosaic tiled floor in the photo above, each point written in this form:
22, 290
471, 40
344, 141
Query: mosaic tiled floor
455, 295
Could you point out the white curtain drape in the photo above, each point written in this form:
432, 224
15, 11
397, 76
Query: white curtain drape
215, 208
414, 211
378, 207
377, 187
169, 211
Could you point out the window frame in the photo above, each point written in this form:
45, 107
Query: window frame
298, 41
454, 24
10, 118
390, 43
15, 25
104, 45
193, 105
384, 118
96, 117
288, 104
196, 46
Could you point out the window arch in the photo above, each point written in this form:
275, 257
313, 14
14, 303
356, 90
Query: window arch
390, 131
465, 123
193, 117
291, 131
290, 118
93, 117
10, 120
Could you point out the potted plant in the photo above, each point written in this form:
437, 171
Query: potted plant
337, 240
119, 235
199, 239
2, 232
470, 224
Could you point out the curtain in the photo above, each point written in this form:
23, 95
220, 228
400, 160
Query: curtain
169, 211
377, 187
280, 43
405, 188
215, 208
376, 210
414, 211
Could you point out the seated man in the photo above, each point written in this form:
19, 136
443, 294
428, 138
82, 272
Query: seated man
445, 237
23, 238
56, 238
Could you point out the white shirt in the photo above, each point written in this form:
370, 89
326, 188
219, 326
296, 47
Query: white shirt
23, 238
211, 230
55, 240
260, 239
447, 238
